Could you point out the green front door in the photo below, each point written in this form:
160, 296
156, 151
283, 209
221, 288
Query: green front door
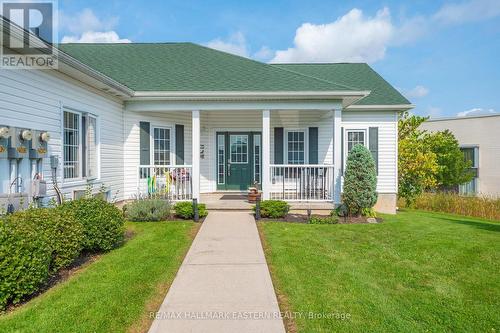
238, 160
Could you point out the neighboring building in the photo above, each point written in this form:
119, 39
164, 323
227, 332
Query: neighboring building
184, 120
479, 138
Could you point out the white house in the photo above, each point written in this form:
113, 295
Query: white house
479, 139
186, 120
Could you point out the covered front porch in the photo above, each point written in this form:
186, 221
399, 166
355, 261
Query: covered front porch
216, 154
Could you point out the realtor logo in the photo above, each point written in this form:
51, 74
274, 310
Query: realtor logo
28, 33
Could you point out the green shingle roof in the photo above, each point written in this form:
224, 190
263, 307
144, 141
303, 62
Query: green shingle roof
189, 67
359, 75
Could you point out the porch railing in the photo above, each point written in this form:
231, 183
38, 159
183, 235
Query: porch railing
293, 182
173, 182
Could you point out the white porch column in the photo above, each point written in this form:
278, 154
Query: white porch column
337, 154
266, 153
195, 135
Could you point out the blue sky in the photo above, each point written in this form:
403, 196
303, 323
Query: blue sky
443, 55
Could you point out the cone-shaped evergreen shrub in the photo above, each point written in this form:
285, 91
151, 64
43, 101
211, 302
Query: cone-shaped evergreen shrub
360, 180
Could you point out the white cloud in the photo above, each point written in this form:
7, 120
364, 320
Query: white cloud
417, 92
475, 112
86, 27
235, 44
264, 54
85, 21
355, 37
468, 11
351, 38
96, 37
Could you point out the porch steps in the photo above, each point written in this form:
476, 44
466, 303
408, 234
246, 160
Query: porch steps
237, 202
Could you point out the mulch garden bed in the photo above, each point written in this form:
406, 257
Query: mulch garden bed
303, 218
172, 218
358, 220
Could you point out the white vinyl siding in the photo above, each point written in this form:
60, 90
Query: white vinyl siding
386, 121
35, 99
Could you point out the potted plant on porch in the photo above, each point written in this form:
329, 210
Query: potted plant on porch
253, 193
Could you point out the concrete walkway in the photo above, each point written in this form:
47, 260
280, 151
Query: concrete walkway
224, 284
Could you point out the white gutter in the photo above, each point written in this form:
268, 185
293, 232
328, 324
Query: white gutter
462, 117
390, 107
245, 95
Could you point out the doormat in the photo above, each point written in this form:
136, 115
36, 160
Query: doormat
233, 197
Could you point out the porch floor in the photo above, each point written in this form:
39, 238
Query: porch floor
238, 201
226, 201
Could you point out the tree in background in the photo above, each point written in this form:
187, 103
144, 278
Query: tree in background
360, 181
453, 169
417, 164
417, 168
428, 161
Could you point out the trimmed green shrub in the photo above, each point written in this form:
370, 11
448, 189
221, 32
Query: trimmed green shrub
368, 212
103, 223
273, 208
148, 210
184, 210
25, 256
63, 231
360, 181
324, 220
340, 211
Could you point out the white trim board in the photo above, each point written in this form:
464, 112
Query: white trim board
381, 107
233, 106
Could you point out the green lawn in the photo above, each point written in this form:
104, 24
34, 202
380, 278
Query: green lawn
416, 272
114, 293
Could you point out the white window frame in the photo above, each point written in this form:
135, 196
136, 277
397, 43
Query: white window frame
81, 114
218, 142
152, 143
476, 154
213, 141
255, 135
475, 166
97, 175
248, 148
306, 144
354, 129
